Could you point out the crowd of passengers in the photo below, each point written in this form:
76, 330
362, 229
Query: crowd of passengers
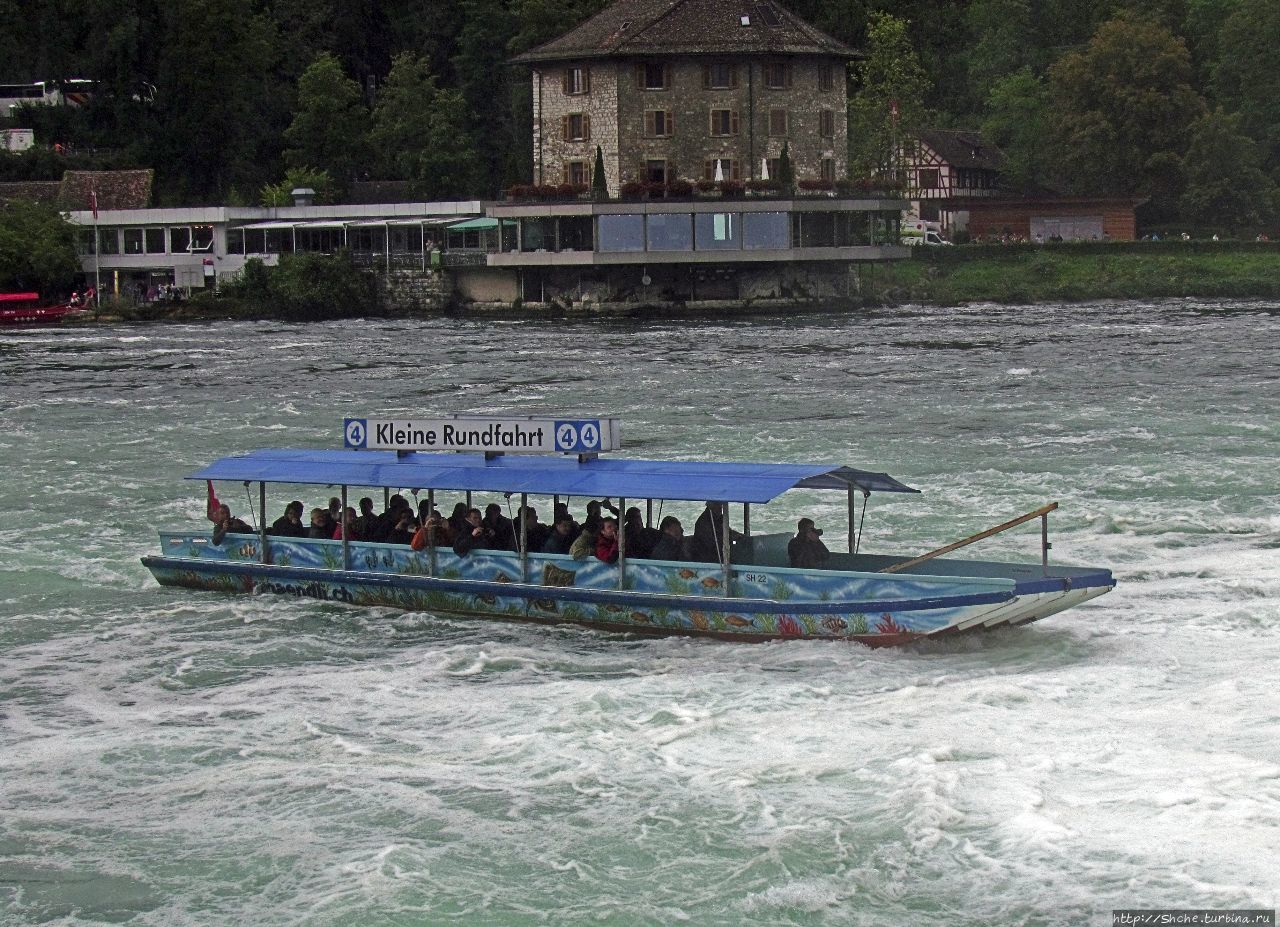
468, 529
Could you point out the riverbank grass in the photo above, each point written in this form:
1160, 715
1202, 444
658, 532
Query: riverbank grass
1051, 275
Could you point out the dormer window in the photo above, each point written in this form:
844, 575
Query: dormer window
745, 20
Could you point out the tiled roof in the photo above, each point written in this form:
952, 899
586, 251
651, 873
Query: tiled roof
116, 189
632, 28
37, 191
963, 149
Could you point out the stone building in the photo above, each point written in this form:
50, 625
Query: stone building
689, 89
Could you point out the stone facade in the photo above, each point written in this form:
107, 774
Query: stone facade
670, 133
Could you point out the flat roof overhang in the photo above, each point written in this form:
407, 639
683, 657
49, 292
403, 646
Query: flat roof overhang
737, 256
659, 207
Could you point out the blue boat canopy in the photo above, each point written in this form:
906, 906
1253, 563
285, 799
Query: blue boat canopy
547, 476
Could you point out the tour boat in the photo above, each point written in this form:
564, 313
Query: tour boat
25, 309
750, 594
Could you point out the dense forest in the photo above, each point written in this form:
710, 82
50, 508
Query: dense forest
1176, 100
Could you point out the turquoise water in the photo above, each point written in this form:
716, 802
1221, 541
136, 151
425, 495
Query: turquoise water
172, 758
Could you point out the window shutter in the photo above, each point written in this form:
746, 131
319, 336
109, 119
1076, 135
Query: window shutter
706, 77
586, 126
666, 77
733, 122
568, 87
671, 124
640, 75
733, 76
586, 80
564, 128
564, 173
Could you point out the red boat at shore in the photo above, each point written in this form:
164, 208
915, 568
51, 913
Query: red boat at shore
25, 309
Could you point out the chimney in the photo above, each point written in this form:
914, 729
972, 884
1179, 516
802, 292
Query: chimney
303, 196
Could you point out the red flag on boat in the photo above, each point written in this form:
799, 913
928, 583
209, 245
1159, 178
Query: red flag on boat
211, 508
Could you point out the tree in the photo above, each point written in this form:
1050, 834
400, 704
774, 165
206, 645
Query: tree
1225, 181
329, 129
281, 194
1018, 123
889, 103
420, 133
1002, 31
37, 249
599, 181
1245, 77
220, 107
1122, 108
786, 170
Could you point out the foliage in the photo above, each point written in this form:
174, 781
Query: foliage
1246, 78
419, 133
786, 170
1122, 108
37, 249
1225, 181
1004, 46
599, 182
890, 76
1018, 123
331, 124
306, 286
281, 194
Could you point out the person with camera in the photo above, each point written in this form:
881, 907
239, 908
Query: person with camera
806, 550
473, 536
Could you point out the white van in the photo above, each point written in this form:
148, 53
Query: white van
919, 232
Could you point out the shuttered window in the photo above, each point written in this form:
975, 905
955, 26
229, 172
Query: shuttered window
778, 122
658, 123
724, 122
575, 127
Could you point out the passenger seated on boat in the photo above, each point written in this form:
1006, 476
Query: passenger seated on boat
640, 539
335, 510
607, 541
672, 545
432, 531
806, 550
560, 539
458, 520
228, 524
320, 527
707, 544
387, 520
367, 523
502, 529
562, 511
474, 537
353, 527
289, 525
535, 532
595, 516
584, 545
405, 527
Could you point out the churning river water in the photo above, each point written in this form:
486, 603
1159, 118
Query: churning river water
178, 758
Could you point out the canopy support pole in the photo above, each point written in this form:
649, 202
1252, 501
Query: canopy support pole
648, 513
431, 534
727, 544
852, 523
342, 526
622, 546
524, 538
746, 518
262, 523
386, 497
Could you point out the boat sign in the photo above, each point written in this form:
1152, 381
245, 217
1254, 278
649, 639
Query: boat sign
514, 435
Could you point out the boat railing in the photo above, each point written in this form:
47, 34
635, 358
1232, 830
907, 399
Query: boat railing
1042, 513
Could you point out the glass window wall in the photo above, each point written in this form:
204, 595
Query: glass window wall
764, 231
718, 231
621, 233
670, 232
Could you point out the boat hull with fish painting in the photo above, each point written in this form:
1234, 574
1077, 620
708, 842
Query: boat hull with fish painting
749, 594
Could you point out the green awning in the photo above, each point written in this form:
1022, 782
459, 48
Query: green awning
484, 222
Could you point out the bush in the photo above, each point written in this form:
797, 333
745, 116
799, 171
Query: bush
732, 188
632, 190
306, 287
680, 188
817, 185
